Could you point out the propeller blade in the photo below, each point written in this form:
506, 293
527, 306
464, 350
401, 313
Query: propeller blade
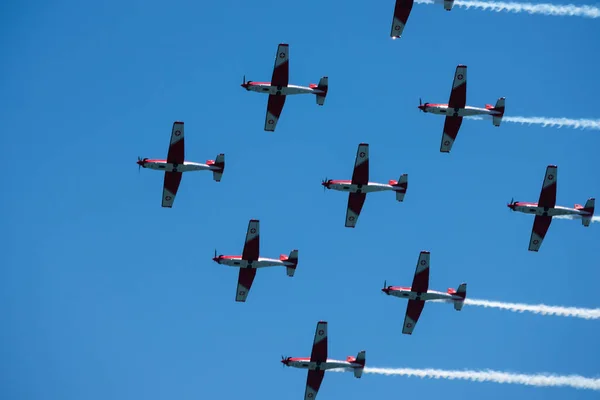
420, 102
244, 79
215, 253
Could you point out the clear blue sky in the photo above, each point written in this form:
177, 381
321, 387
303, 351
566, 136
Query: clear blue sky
104, 294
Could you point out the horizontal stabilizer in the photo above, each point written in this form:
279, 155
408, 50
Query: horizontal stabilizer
360, 359
323, 86
460, 292
497, 118
291, 262
400, 186
217, 167
589, 207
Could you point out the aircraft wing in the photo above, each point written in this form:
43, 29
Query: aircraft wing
313, 383
355, 204
421, 280
451, 128
548, 193
319, 350
458, 95
170, 186
360, 175
274, 109
245, 279
281, 70
252, 244
401, 13
413, 312
176, 147
541, 223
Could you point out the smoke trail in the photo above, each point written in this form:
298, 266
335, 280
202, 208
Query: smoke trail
585, 313
545, 121
575, 217
568, 10
544, 380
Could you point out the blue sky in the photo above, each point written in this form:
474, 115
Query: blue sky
105, 294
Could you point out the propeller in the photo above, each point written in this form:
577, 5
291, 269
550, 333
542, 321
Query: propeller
244, 81
420, 102
139, 165
323, 182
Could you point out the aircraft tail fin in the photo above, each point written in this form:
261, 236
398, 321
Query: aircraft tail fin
448, 4
323, 86
217, 167
361, 360
290, 269
400, 186
460, 292
499, 107
590, 204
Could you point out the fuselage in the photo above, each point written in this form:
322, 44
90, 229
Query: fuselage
163, 165
443, 109
305, 363
407, 293
262, 262
533, 208
266, 87
348, 186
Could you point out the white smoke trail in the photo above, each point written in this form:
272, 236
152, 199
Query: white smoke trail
585, 313
552, 122
568, 10
544, 380
576, 217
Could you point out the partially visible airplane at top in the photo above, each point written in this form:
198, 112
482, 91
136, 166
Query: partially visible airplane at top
402, 10
419, 293
318, 362
456, 109
359, 186
546, 208
250, 261
175, 165
279, 88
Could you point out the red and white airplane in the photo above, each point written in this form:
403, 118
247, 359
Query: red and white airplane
359, 186
250, 261
456, 109
402, 10
318, 362
546, 208
279, 88
419, 293
175, 165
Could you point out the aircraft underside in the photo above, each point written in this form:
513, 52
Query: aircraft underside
551, 212
185, 167
283, 90
261, 263
461, 112
430, 295
369, 188
329, 364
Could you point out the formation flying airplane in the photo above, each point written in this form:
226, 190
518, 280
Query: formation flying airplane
318, 362
546, 208
279, 88
359, 186
456, 109
402, 10
175, 165
250, 261
419, 293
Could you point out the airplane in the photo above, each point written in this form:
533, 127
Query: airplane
175, 165
456, 109
448, 4
359, 186
250, 261
318, 362
279, 88
546, 208
402, 10
419, 293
